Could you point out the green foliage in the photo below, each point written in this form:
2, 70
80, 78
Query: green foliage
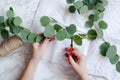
45, 21
31, 37
10, 13
5, 34
38, 38
83, 9
77, 39
92, 34
103, 24
104, 48
72, 9
89, 24
118, 66
49, 31
114, 59
17, 21
61, 32
70, 1
1, 19
78, 4
57, 27
111, 52
71, 29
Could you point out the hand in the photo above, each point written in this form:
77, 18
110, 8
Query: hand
39, 49
79, 63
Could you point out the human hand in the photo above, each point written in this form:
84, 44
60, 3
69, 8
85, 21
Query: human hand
39, 49
79, 63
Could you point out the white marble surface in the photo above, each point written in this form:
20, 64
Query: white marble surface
11, 67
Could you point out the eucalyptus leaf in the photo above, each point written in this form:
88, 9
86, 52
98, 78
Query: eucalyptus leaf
89, 24
24, 34
17, 29
2, 26
71, 29
92, 34
94, 17
103, 48
78, 4
61, 34
100, 33
114, 59
103, 24
57, 27
1, 19
100, 7
39, 38
10, 13
118, 66
10, 21
77, 39
72, 9
112, 51
17, 21
104, 2
70, 1
5, 34
49, 31
83, 9
45, 20
32, 37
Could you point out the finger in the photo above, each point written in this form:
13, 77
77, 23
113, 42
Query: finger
35, 45
72, 62
67, 49
45, 41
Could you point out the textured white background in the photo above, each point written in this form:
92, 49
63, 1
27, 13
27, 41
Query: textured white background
54, 66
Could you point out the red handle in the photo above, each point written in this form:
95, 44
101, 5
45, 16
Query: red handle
70, 54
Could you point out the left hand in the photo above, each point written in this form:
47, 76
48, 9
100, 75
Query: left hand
39, 49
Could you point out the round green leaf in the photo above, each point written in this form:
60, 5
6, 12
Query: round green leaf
71, 29
112, 51
39, 38
2, 26
4, 34
16, 29
49, 31
118, 66
77, 39
104, 2
10, 13
103, 24
17, 21
72, 9
100, 33
99, 7
92, 34
89, 24
57, 27
83, 9
10, 21
103, 48
61, 34
78, 4
45, 20
1, 19
24, 34
70, 1
32, 37
94, 17
114, 59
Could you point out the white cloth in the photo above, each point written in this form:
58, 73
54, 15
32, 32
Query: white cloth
97, 65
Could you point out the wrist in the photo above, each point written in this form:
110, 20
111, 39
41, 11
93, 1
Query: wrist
84, 76
35, 60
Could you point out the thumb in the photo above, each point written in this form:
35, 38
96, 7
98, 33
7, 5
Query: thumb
72, 61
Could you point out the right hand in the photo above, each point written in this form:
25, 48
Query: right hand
79, 63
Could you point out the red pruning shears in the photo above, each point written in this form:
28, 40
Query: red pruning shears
71, 50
